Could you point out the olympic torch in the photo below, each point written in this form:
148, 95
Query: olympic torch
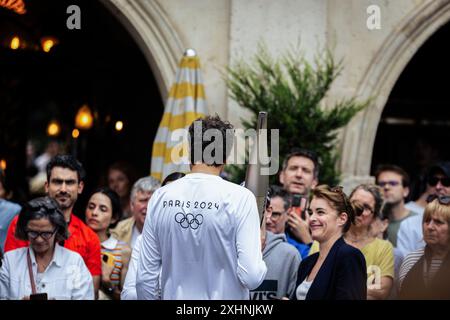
255, 181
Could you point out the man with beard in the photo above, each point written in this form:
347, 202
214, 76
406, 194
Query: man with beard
299, 174
65, 176
394, 182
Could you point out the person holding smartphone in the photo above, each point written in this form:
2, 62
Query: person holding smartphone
44, 269
298, 176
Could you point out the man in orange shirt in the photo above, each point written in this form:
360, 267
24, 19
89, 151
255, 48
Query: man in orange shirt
64, 183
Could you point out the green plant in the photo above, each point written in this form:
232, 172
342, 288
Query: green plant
292, 90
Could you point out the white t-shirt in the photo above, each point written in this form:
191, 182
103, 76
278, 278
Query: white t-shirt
410, 233
129, 286
134, 235
203, 234
302, 290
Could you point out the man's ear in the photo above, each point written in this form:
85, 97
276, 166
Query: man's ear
46, 186
315, 182
80, 187
405, 192
281, 177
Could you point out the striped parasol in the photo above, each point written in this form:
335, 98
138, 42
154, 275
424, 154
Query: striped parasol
186, 103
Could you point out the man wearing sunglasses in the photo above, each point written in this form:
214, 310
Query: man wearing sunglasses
394, 183
410, 234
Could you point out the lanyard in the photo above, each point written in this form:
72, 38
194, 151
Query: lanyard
30, 272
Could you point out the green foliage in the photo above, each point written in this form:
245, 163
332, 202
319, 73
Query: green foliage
292, 90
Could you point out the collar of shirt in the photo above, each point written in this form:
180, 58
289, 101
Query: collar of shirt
56, 260
110, 243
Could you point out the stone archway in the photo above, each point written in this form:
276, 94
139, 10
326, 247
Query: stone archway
150, 27
379, 79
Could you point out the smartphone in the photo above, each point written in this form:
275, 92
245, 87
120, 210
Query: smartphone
296, 204
108, 258
38, 296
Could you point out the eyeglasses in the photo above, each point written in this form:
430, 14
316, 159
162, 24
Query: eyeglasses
275, 216
46, 235
433, 181
442, 199
391, 183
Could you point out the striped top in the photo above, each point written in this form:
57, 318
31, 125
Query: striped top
409, 262
115, 247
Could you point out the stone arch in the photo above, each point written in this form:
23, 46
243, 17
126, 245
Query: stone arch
158, 40
378, 81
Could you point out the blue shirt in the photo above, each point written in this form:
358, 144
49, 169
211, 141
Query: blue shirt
302, 248
8, 211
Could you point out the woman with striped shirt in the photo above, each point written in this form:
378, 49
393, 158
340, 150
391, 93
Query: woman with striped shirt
102, 213
425, 273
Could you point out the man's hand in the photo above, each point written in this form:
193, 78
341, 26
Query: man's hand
299, 227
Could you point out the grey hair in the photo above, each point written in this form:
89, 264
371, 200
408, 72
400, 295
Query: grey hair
146, 184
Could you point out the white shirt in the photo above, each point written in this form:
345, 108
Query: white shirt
129, 286
302, 290
412, 206
66, 277
410, 235
202, 234
134, 235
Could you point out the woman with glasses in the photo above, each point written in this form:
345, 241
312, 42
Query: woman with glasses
425, 273
103, 212
44, 270
338, 271
379, 254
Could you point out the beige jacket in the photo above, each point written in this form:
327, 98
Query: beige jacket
124, 230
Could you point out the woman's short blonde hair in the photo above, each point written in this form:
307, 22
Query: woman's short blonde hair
442, 210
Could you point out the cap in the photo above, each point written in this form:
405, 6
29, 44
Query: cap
443, 166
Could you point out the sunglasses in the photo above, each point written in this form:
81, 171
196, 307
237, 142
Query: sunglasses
46, 235
442, 199
433, 181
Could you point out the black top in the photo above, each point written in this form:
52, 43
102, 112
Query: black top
342, 276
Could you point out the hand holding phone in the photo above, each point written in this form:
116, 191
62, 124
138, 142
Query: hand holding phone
39, 296
298, 205
108, 258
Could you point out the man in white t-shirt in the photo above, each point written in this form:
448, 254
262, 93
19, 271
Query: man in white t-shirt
202, 234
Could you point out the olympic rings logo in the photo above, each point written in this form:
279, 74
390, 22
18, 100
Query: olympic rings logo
189, 220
